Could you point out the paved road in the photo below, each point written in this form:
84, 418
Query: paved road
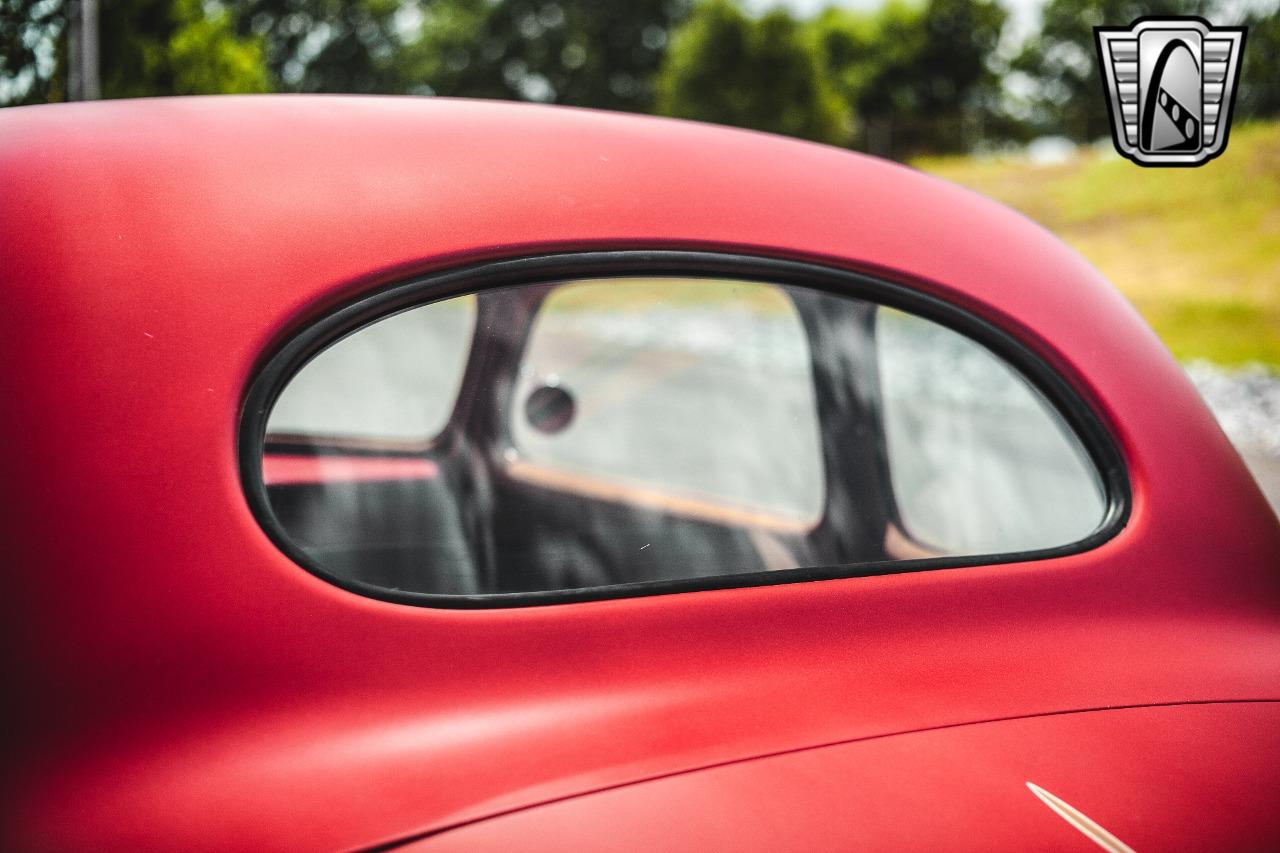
1266, 470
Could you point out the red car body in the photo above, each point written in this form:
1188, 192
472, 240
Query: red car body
179, 682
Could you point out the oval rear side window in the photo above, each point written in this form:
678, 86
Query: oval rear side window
613, 436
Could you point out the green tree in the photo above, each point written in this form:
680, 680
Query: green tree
1063, 61
30, 34
920, 78
176, 47
357, 46
579, 52
1259, 94
764, 74
147, 47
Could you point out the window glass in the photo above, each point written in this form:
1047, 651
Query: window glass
981, 462
395, 379
637, 430
696, 388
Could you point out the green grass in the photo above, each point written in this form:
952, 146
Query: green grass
1197, 251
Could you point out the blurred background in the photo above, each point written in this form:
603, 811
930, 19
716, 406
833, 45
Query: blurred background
999, 95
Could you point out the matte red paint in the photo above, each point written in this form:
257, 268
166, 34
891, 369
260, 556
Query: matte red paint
1152, 777
181, 683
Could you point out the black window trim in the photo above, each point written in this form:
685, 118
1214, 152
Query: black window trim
301, 344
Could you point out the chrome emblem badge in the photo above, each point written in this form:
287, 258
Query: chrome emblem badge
1171, 83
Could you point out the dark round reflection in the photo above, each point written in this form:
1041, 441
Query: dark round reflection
550, 409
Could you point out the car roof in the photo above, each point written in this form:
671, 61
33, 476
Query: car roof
371, 186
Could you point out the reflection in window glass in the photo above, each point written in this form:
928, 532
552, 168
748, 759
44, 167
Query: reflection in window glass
697, 388
395, 379
981, 463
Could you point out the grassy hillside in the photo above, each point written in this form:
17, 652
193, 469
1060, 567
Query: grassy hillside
1197, 251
